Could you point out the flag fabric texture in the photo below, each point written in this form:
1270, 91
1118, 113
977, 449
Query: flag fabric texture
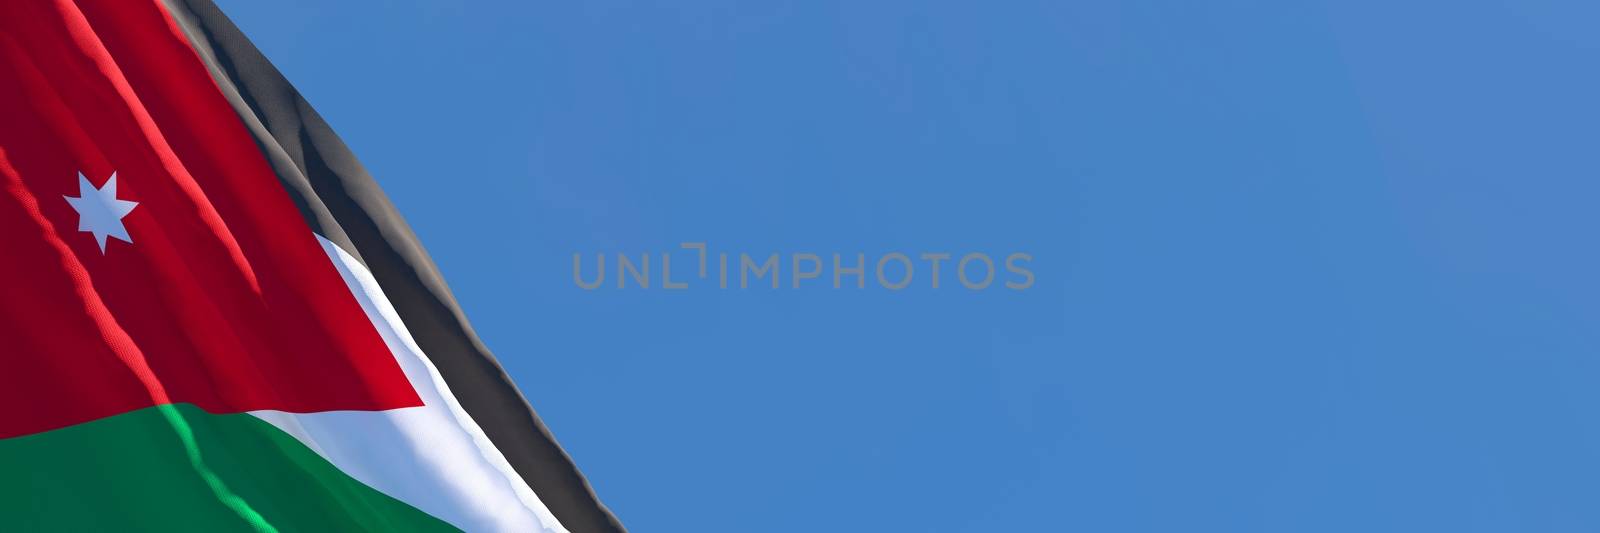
215, 320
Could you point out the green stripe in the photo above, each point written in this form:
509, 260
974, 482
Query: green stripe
178, 468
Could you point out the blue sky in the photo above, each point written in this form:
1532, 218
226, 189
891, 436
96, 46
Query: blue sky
1301, 266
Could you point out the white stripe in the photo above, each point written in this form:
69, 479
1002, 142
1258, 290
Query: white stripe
434, 457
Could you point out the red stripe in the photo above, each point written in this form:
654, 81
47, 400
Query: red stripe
224, 299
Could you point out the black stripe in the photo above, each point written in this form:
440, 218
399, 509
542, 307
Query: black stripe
341, 202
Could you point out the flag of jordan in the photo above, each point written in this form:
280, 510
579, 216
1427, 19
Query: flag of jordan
211, 317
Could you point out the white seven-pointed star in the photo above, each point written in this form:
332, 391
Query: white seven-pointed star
100, 212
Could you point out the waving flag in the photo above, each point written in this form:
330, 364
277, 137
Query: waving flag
214, 319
